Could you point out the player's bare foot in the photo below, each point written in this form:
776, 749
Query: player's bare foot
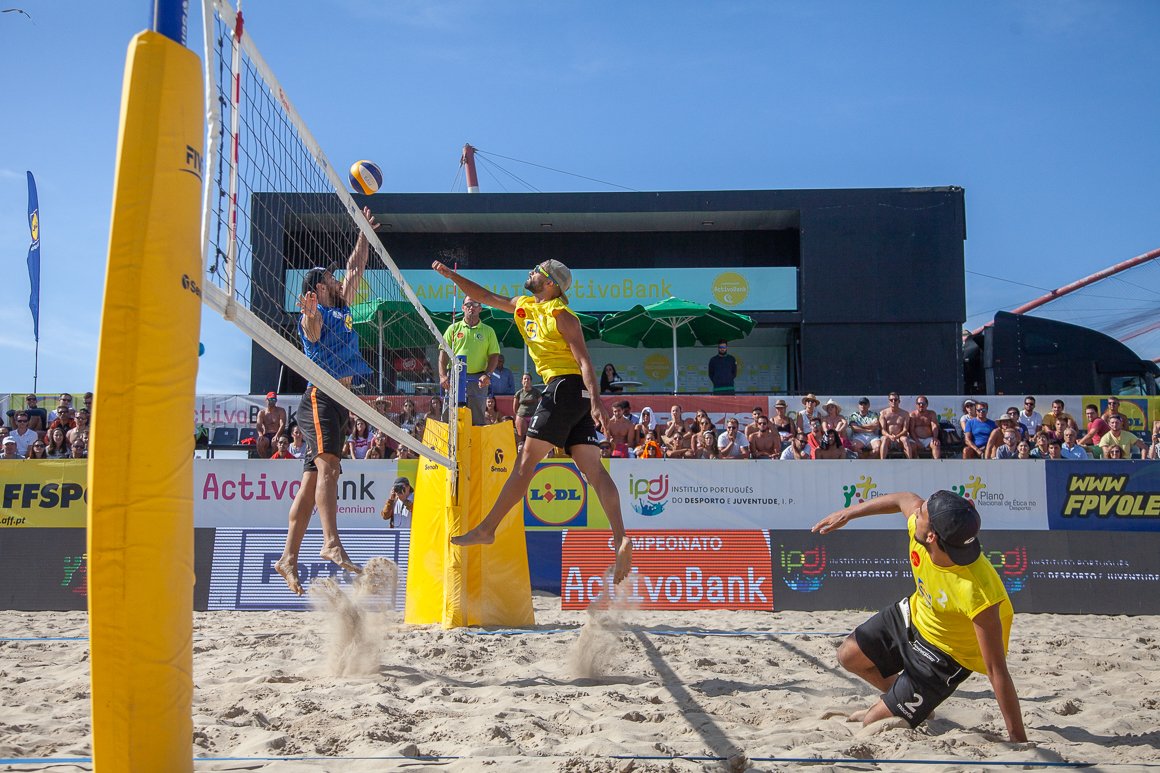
289, 572
476, 536
623, 560
338, 555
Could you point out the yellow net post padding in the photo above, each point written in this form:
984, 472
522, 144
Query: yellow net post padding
140, 517
487, 585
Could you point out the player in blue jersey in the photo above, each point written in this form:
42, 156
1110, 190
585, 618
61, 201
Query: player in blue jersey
330, 341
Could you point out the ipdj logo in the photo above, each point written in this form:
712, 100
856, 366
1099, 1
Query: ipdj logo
556, 497
971, 489
803, 570
859, 492
1011, 566
649, 495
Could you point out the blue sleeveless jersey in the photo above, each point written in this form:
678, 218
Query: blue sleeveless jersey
336, 350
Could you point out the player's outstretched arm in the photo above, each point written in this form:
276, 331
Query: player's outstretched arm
904, 502
357, 261
475, 290
989, 632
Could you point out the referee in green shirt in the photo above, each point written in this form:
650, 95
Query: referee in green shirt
477, 343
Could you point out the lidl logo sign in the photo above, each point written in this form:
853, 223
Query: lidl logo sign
648, 495
557, 496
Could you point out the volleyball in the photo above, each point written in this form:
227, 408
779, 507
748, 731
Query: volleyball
365, 177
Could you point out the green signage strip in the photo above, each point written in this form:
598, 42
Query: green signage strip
601, 289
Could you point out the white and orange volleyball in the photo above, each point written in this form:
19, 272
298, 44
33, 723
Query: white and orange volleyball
365, 177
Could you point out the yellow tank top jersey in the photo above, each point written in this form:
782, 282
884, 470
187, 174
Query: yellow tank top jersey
947, 598
537, 325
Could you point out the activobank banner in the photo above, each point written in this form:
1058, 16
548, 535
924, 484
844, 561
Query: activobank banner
252, 493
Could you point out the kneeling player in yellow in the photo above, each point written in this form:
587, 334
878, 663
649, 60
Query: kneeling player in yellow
957, 621
570, 407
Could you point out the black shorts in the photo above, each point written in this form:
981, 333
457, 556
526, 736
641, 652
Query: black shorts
564, 415
324, 424
926, 675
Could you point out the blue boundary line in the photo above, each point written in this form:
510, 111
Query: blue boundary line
643, 757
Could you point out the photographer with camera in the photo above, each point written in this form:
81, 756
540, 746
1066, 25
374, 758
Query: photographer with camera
397, 509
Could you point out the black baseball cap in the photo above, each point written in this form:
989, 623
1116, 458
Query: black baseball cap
956, 522
314, 276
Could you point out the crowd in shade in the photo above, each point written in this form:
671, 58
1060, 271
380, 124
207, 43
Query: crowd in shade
36, 432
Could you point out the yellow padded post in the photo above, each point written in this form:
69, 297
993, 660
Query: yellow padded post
477, 585
140, 514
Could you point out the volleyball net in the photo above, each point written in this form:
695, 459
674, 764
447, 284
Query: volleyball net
274, 208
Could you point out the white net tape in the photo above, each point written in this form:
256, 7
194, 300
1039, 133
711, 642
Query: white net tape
275, 208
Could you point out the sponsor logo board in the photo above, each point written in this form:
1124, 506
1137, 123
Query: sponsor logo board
671, 570
244, 492
1103, 496
244, 577
1042, 571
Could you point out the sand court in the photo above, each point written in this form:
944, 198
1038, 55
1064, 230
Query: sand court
609, 690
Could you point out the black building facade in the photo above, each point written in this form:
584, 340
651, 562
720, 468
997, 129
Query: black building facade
880, 272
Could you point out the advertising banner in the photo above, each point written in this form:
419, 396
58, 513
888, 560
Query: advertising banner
244, 492
244, 577
1104, 496
49, 493
213, 411
672, 570
746, 494
47, 569
757, 288
1043, 571
1140, 411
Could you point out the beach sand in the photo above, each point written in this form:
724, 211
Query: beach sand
586, 692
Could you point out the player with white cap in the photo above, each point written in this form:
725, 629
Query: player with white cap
570, 408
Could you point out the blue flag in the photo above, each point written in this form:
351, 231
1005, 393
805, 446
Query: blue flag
34, 256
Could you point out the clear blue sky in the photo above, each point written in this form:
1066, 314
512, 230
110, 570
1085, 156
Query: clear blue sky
1046, 113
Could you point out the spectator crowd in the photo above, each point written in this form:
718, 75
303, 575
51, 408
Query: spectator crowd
34, 432
812, 431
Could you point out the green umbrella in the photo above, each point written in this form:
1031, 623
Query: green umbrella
677, 322
389, 324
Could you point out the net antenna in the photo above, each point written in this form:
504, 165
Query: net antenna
274, 207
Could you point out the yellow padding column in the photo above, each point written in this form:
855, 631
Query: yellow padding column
140, 515
478, 585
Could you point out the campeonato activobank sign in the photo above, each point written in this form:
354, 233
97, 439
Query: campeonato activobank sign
599, 289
